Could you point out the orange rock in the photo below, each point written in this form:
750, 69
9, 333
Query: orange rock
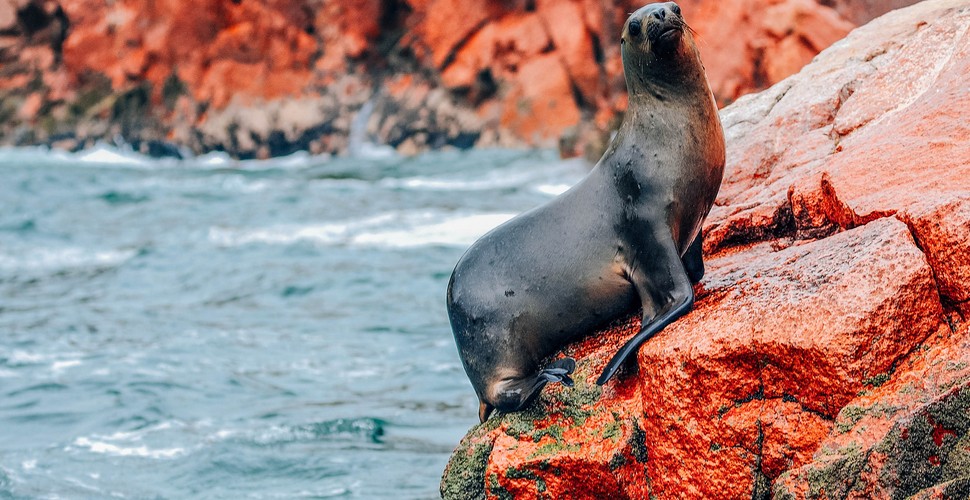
941, 230
540, 105
747, 45
500, 46
440, 31
8, 14
731, 389
573, 43
784, 58
153, 40
28, 110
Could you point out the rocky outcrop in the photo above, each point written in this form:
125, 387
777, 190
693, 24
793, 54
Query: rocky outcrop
270, 78
827, 354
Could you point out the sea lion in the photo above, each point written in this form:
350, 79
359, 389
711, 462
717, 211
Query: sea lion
626, 236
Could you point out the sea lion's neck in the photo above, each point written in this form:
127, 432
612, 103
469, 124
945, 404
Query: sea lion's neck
661, 86
653, 76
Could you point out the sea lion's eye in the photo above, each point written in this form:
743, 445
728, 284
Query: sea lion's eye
675, 8
635, 27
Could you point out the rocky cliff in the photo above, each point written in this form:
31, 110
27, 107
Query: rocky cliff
269, 78
828, 355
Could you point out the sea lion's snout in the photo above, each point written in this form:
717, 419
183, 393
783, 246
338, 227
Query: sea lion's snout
658, 23
664, 24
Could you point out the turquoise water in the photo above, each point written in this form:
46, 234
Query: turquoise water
212, 329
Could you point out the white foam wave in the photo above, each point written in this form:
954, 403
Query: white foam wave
63, 258
133, 436
396, 230
59, 366
458, 231
130, 443
26, 358
372, 151
107, 155
215, 159
549, 178
295, 161
142, 451
491, 180
103, 154
220, 160
57, 360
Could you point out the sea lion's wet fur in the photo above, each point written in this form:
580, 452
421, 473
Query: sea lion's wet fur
612, 243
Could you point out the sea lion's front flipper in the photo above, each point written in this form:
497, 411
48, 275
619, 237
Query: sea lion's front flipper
665, 292
694, 261
559, 370
514, 394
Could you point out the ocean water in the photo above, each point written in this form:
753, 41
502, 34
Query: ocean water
214, 329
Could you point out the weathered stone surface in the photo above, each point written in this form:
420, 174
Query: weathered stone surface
827, 354
907, 436
179, 67
747, 44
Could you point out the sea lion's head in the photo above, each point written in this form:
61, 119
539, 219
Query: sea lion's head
657, 46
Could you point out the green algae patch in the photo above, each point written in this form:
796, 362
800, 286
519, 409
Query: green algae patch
523, 424
553, 448
496, 488
553, 413
837, 477
852, 414
613, 431
553, 431
848, 417
464, 477
930, 449
513, 473
877, 380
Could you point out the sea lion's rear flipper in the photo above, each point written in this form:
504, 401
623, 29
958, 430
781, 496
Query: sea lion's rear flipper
665, 292
694, 261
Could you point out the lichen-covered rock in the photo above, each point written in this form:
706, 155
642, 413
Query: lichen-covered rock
906, 436
828, 354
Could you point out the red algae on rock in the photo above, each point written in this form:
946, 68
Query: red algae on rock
827, 354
